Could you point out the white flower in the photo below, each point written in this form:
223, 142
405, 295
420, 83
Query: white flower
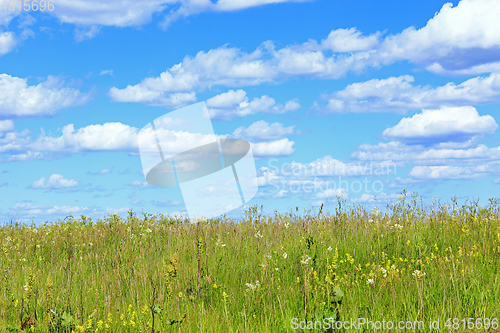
329, 248
285, 255
258, 234
305, 259
384, 271
252, 286
370, 281
276, 269
148, 230
418, 274
287, 224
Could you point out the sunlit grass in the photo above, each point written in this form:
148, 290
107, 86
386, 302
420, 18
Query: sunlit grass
121, 275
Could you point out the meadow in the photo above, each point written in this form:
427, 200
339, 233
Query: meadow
263, 273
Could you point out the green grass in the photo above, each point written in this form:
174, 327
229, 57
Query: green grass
253, 275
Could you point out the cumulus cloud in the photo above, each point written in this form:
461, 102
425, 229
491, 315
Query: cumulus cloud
445, 172
93, 138
18, 99
398, 94
277, 148
419, 154
8, 42
263, 131
345, 40
456, 39
6, 126
55, 181
233, 104
29, 209
447, 124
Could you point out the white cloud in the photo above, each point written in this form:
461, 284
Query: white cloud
190, 7
455, 124
102, 172
107, 71
345, 40
82, 34
376, 198
55, 181
455, 39
106, 137
6, 126
446, 172
18, 99
232, 104
419, 154
141, 184
263, 131
283, 147
397, 94
8, 42
29, 209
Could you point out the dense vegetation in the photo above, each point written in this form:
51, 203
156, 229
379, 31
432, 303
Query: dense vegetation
410, 263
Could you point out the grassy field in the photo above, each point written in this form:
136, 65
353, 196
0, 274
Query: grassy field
157, 273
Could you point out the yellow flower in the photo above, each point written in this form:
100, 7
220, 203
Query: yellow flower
180, 294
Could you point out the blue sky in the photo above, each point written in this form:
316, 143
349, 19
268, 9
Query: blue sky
384, 95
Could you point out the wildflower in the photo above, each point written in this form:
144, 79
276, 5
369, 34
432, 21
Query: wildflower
384, 271
370, 281
180, 295
285, 255
276, 269
329, 248
305, 259
258, 234
418, 274
148, 230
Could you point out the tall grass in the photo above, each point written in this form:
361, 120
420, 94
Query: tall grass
164, 274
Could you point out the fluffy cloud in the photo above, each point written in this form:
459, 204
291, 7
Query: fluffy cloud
447, 124
29, 209
115, 137
190, 7
6, 126
277, 148
8, 42
459, 39
18, 99
345, 40
263, 131
419, 154
232, 104
55, 181
397, 94
446, 172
